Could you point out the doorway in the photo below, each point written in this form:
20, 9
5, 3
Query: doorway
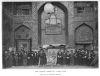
23, 45
84, 46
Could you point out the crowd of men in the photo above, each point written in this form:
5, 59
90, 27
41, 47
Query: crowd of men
24, 58
79, 57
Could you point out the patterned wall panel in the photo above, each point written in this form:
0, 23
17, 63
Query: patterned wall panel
71, 25
84, 34
21, 19
7, 36
34, 28
51, 35
34, 11
22, 32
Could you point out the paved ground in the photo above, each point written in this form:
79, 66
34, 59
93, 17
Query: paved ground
51, 67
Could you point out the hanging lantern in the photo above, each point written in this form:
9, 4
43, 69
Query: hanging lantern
49, 8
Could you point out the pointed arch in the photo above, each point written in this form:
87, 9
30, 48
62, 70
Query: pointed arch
21, 27
41, 9
84, 24
84, 33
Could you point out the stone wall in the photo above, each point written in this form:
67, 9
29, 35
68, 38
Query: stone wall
31, 21
7, 27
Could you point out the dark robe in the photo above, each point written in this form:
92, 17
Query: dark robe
16, 58
64, 58
10, 59
90, 58
72, 59
58, 62
28, 59
32, 59
60, 58
20, 59
44, 59
79, 58
41, 58
84, 57
75, 58
5, 58
24, 59
67, 59
35, 58
94, 62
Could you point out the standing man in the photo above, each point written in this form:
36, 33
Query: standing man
20, 59
16, 58
10, 59
5, 59
60, 58
35, 58
67, 58
28, 58
84, 58
83, 54
76, 58
64, 57
24, 58
33, 53
32, 58
44, 58
72, 58
95, 60
41, 57
79, 57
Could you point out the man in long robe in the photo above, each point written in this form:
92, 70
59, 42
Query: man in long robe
76, 58
16, 58
35, 58
64, 58
44, 58
79, 54
10, 59
5, 56
67, 58
58, 58
24, 58
32, 58
41, 57
72, 58
28, 58
20, 58
94, 63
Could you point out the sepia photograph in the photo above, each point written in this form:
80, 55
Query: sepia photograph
50, 35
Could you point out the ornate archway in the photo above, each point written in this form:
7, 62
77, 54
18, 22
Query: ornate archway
22, 38
53, 34
84, 37
40, 11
